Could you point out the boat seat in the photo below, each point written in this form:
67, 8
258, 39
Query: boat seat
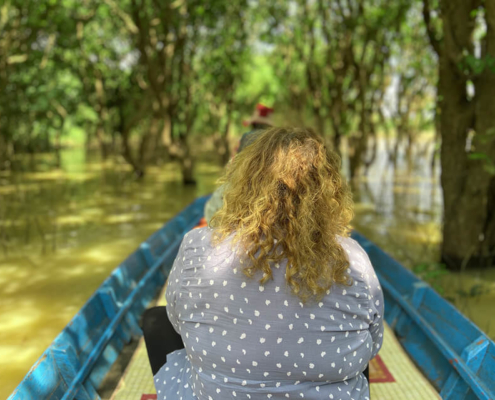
160, 336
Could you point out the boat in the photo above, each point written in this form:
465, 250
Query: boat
451, 353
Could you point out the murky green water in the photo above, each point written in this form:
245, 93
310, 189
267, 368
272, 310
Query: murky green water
62, 231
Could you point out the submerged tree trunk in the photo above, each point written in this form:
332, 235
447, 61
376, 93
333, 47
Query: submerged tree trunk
101, 110
337, 135
410, 150
124, 130
186, 161
357, 149
368, 162
187, 170
100, 135
129, 157
5, 153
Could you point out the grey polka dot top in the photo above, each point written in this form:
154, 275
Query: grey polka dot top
244, 340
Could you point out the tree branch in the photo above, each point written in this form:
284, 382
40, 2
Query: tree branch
435, 43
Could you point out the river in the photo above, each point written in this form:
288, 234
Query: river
63, 230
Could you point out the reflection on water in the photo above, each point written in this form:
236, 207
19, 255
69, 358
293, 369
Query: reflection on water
63, 231
61, 234
400, 208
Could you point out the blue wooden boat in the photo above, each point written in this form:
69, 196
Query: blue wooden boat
455, 356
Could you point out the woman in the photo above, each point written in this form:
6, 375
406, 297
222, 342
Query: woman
274, 300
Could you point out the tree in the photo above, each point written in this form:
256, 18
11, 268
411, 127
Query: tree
25, 81
463, 35
412, 73
224, 58
333, 56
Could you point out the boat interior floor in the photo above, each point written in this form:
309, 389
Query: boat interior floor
393, 375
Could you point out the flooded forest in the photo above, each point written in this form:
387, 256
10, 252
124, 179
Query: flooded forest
116, 115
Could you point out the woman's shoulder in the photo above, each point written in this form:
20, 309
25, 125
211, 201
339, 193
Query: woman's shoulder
197, 238
197, 234
200, 241
358, 258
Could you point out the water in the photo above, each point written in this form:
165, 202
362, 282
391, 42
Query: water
67, 230
62, 231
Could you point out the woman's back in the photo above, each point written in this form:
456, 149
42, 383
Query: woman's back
295, 312
247, 340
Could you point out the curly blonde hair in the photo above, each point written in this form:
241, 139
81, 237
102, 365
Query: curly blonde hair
285, 198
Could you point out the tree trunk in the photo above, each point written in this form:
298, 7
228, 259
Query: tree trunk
101, 110
357, 148
5, 146
225, 152
186, 161
129, 157
100, 134
469, 219
372, 152
187, 170
320, 122
337, 135
58, 144
87, 142
485, 127
123, 129
148, 146
409, 150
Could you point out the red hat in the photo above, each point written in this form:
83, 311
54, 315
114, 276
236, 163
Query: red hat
261, 116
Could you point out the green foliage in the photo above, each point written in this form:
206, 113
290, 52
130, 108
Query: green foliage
432, 273
485, 139
474, 66
140, 76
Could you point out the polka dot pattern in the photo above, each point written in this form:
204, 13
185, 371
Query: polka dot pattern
244, 340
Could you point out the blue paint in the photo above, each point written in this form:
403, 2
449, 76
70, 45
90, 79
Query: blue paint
451, 351
146, 250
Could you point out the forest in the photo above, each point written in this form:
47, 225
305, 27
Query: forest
147, 80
